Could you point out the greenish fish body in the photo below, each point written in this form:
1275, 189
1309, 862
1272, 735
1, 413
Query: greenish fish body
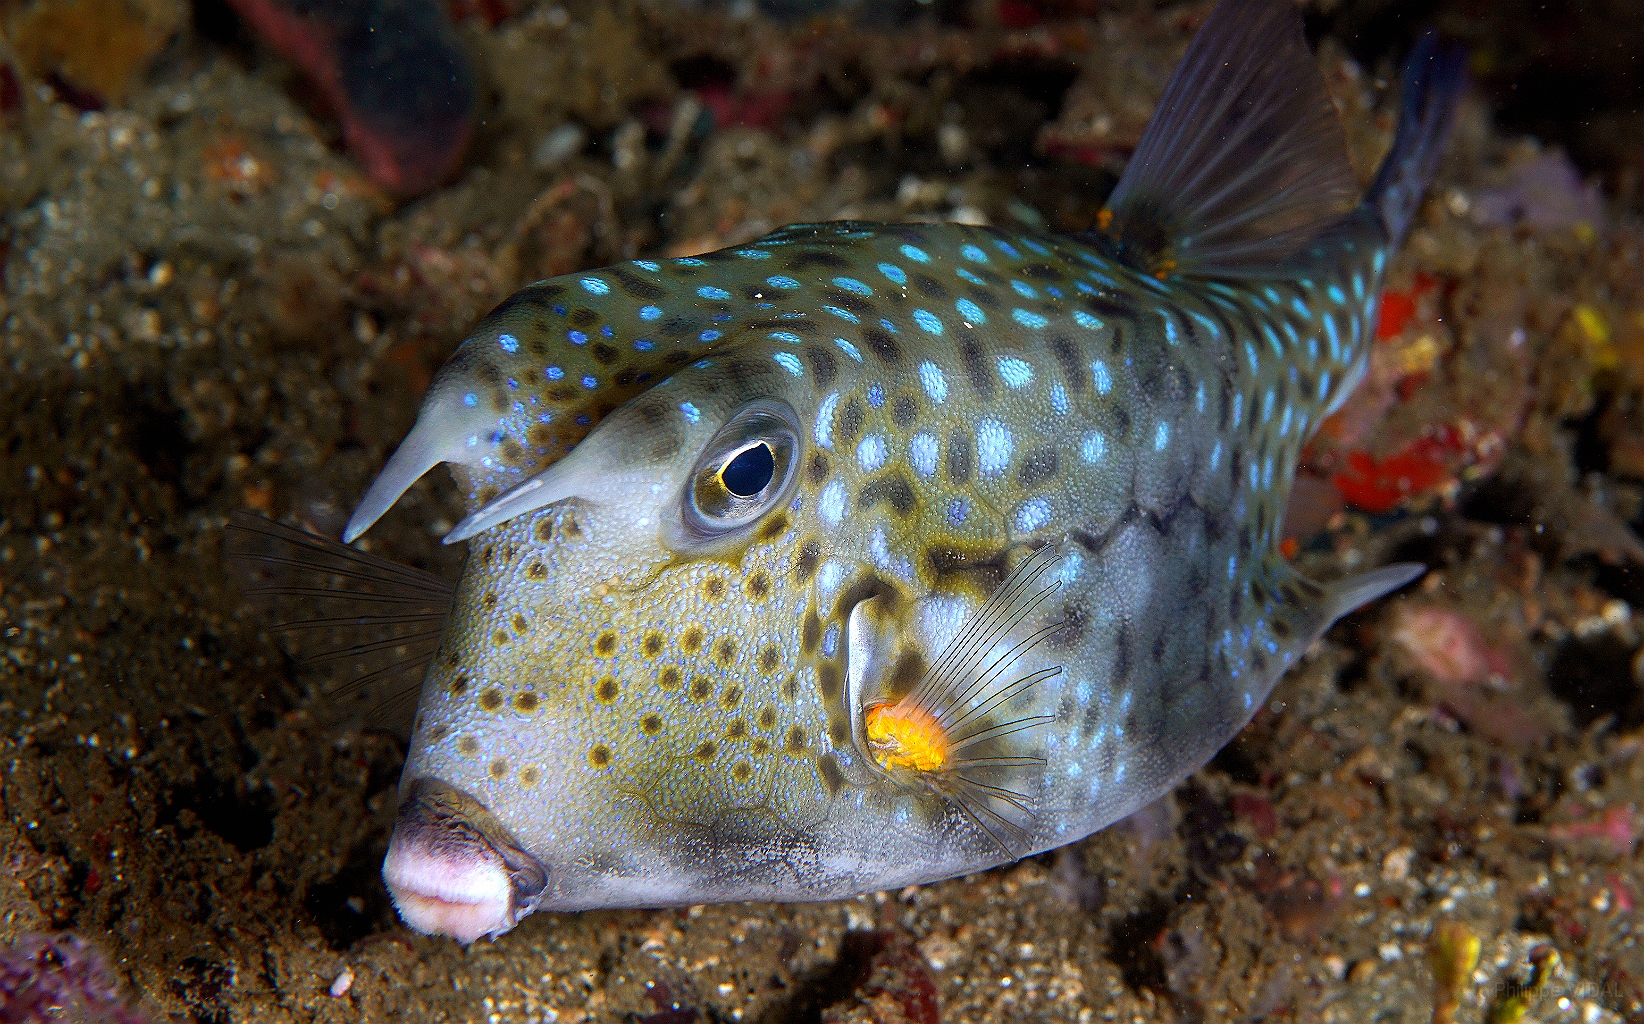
866, 555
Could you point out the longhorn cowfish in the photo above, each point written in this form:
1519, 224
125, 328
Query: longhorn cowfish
865, 555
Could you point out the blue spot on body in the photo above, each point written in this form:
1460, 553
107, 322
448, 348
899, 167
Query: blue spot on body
1007, 249
589, 382
967, 309
787, 336
470, 400
852, 285
753, 254
972, 278
848, 349
974, 254
913, 252
555, 373
708, 291
1015, 372
1058, 398
1161, 436
1336, 294
876, 395
779, 281
1024, 289
1035, 247
709, 336
1028, 319
790, 362
958, 511
692, 413
650, 312
1103, 379
577, 337
927, 320
1301, 308
893, 273
936, 386
691, 261
508, 342
558, 309
887, 325
643, 344
594, 286
843, 314
1085, 320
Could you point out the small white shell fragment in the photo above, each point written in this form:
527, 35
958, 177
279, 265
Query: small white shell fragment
342, 983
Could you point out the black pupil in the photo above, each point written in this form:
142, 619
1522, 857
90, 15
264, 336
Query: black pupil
749, 471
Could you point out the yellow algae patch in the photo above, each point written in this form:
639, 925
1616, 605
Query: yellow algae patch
901, 736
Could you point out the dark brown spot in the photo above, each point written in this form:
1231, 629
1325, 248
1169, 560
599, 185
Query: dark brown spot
767, 718
758, 586
530, 775
806, 559
690, 641
741, 771
849, 423
828, 681
526, 702
760, 746
1038, 467
725, 652
521, 624
651, 645
810, 633
650, 723
883, 345
794, 742
1067, 356
714, 587
910, 667
770, 658
976, 369
512, 452
582, 316
490, 699
599, 755
500, 637
705, 750
459, 683
958, 459
773, 527
904, 410
468, 746
737, 730
668, 678
535, 570
894, 490
605, 644
702, 688
929, 286
827, 769
823, 365
839, 731
498, 769
606, 690
817, 468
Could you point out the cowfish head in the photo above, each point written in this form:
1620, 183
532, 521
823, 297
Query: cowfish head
642, 677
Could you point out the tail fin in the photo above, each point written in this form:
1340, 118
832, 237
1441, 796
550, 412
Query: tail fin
1434, 76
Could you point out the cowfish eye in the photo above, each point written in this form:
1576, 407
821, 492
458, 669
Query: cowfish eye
744, 471
749, 471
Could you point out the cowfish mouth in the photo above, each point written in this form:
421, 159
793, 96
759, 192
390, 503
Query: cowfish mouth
453, 869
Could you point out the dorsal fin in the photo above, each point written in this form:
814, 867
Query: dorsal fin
1244, 160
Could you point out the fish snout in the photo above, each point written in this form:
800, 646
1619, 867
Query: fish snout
453, 869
